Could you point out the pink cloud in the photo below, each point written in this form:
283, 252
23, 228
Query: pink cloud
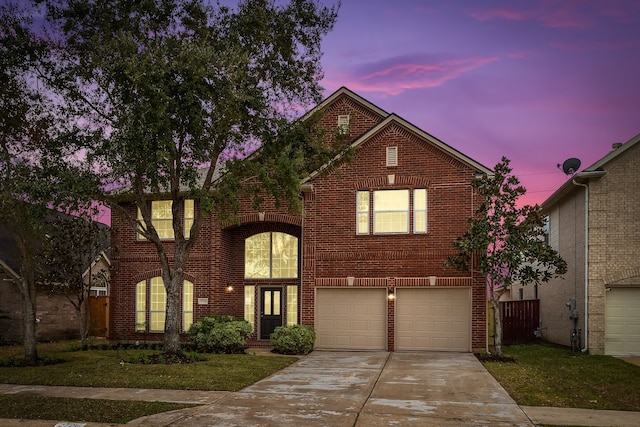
398, 75
520, 54
550, 14
602, 46
510, 15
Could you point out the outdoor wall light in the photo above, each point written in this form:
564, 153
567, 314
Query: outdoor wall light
391, 295
229, 288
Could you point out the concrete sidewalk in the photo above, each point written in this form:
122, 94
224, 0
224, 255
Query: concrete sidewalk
349, 389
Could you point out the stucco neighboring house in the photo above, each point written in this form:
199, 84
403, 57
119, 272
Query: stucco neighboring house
594, 223
363, 264
55, 315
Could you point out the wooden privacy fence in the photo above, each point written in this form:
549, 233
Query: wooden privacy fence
520, 319
99, 323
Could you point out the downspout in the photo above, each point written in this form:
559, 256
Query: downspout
586, 264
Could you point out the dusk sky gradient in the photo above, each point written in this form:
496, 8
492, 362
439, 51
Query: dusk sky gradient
536, 81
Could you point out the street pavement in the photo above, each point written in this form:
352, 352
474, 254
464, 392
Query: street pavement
349, 389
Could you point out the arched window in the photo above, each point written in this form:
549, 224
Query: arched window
271, 255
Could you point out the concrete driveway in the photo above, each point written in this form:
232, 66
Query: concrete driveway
363, 389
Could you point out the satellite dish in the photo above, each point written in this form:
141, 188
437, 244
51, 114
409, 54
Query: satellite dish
571, 166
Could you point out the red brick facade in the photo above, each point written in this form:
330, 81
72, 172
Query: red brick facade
331, 253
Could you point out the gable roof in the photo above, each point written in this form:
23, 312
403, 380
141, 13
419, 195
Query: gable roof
9, 254
343, 91
389, 119
11, 259
594, 171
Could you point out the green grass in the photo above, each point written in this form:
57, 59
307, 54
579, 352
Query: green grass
550, 376
80, 410
103, 368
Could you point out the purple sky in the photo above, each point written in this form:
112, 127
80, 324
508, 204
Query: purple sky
536, 81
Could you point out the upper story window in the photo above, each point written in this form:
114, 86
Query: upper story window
343, 124
391, 211
271, 255
162, 218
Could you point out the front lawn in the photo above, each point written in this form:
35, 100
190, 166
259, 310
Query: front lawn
545, 375
104, 368
79, 410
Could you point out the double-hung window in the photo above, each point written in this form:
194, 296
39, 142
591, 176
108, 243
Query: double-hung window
162, 218
391, 211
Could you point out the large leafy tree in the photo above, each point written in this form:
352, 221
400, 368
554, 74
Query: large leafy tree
38, 168
509, 241
182, 87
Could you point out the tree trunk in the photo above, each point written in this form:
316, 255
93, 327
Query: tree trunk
29, 304
83, 323
497, 324
172, 320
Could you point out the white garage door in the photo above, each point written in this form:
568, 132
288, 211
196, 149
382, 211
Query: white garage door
622, 322
353, 318
436, 319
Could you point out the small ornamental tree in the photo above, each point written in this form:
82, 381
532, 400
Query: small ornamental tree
508, 240
72, 246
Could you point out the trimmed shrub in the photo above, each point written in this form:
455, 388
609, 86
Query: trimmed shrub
220, 334
294, 339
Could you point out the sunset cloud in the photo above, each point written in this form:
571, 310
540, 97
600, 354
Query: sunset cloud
553, 15
539, 82
396, 75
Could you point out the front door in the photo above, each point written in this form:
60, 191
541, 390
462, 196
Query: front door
270, 311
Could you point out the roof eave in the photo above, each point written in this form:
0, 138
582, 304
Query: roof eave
570, 186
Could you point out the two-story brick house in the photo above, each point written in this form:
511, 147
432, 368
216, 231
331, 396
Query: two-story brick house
363, 264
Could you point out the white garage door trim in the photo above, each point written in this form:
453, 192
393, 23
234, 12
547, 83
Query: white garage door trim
622, 322
433, 319
351, 318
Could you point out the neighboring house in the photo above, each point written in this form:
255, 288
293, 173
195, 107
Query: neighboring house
594, 223
55, 315
363, 264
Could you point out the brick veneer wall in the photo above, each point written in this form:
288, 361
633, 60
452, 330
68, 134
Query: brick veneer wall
55, 315
329, 245
333, 251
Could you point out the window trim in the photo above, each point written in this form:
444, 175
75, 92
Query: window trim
156, 284
187, 220
293, 295
364, 213
144, 303
187, 305
271, 256
415, 210
407, 212
370, 212
344, 123
141, 306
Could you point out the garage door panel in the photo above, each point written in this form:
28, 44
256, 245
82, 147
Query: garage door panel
353, 318
622, 322
437, 319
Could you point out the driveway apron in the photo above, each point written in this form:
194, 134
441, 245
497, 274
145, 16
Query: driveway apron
346, 389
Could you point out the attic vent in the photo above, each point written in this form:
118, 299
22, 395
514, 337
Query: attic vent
392, 156
343, 124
